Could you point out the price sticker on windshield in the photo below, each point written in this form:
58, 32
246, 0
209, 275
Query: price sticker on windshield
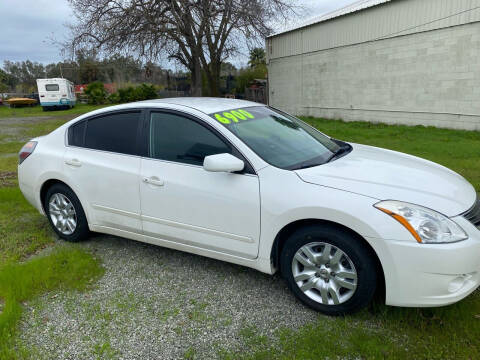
233, 116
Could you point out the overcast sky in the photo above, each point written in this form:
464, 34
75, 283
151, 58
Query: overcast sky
27, 26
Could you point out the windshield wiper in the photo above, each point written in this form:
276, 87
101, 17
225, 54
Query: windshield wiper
343, 150
311, 163
306, 166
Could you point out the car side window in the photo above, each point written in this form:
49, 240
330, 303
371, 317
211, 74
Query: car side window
115, 132
179, 139
76, 133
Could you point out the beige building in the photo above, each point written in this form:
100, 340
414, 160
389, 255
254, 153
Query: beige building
394, 61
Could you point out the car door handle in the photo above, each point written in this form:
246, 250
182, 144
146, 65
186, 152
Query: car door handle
153, 181
73, 162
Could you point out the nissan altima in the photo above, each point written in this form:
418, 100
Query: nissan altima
248, 184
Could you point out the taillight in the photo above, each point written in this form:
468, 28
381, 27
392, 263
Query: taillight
26, 151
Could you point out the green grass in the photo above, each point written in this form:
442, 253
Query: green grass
379, 332
455, 149
104, 351
6, 111
324, 339
66, 268
27, 231
23, 232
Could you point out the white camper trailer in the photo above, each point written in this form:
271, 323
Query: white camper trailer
56, 93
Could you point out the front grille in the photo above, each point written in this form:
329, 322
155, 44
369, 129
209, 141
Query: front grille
473, 215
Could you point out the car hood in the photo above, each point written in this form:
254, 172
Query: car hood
389, 175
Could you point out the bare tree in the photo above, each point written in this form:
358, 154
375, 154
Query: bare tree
199, 34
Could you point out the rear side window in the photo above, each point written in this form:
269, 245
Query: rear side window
52, 87
114, 132
179, 139
76, 133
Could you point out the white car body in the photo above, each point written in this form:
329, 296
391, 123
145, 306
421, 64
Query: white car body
237, 218
56, 92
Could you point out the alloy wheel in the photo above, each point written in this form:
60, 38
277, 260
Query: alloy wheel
62, 213
324, 273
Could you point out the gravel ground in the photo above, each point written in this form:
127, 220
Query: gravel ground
157, 303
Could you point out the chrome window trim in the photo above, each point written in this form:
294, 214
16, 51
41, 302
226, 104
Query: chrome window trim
103, 151
191, 165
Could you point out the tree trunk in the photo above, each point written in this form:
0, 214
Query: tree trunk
214, 80
197, 78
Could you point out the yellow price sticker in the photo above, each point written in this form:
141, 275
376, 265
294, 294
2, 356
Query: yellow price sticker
235, 116
221, 119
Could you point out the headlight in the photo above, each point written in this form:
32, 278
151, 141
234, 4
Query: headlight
426, 226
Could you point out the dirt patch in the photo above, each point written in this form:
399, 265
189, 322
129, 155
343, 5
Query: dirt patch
25, 121
14, 128
8, 178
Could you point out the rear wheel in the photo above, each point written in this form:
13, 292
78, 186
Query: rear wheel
65, 213
329, 270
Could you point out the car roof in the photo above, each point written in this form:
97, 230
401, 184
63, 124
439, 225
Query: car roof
207, 105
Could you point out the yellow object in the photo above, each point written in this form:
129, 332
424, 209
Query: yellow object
21, 101
233, 115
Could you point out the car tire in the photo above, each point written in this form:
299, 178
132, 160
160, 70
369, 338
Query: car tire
69, 225
331, 282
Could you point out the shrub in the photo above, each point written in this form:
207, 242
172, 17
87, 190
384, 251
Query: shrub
113, 98
127, 94
96, 93
146, 92
142, 92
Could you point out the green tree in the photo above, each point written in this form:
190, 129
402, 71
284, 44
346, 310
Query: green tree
25, 74
3, 81
248, 75
257, 57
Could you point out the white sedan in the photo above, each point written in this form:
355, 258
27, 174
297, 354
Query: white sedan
244, 183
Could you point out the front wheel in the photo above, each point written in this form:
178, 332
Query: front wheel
329, 270
65, 213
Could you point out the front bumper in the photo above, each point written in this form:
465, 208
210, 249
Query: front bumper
428, 275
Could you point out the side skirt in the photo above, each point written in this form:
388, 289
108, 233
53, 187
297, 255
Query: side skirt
257, 264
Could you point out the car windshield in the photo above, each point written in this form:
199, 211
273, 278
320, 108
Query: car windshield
279, 139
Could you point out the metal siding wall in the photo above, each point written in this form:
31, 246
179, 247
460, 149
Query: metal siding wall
387, 20
427, 78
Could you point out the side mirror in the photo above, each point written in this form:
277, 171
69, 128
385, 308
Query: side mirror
223, 163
